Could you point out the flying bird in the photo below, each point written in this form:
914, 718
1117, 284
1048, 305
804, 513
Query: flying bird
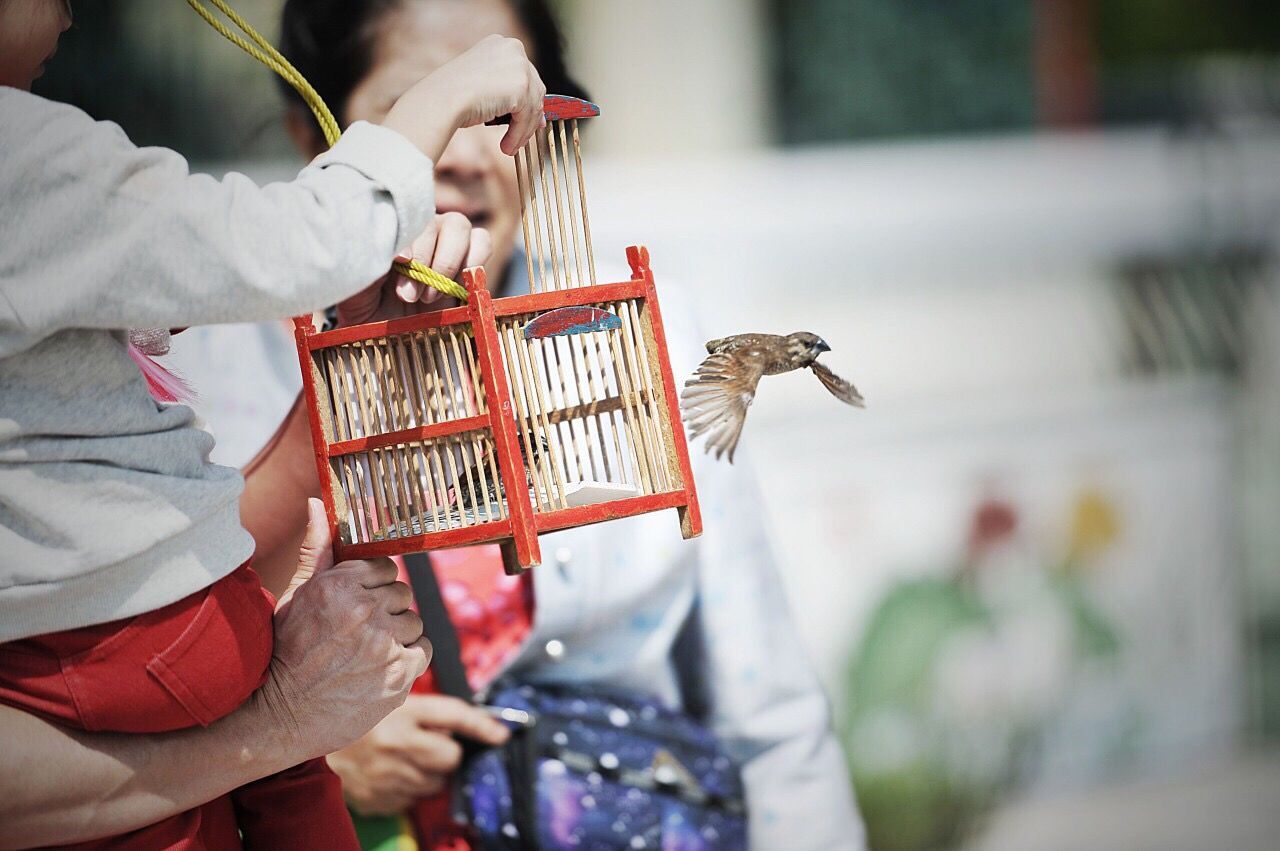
715, 400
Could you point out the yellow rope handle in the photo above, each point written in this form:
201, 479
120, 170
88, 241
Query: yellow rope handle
262, 50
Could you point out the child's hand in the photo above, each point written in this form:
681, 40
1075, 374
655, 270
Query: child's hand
449, 244
492, 79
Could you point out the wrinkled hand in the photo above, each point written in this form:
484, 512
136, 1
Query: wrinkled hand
411, 753
347, 645
448, 245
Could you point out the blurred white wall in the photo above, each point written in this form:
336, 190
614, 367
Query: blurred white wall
939, 268
673, 76
967, 287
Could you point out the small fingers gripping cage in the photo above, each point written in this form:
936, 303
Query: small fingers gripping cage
501, 419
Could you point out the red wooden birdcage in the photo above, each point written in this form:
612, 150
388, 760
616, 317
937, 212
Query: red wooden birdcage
501, 419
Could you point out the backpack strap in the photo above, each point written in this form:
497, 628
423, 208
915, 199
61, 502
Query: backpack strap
446, 657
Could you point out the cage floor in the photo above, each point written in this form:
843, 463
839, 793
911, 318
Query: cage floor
576, 494
436, 521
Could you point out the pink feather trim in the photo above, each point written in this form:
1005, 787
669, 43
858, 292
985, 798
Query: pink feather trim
164, 385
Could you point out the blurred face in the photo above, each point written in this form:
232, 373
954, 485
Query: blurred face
473, 176
29, 31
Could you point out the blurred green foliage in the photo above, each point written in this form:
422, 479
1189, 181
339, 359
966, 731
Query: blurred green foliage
929, 763
911, 800
881, 68
1144, 31
902, 641
875, 68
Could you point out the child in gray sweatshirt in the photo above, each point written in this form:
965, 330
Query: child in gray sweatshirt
119, 541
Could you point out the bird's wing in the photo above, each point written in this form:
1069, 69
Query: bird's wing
841, 389
716, 399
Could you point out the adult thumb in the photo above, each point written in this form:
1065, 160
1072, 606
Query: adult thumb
316, 552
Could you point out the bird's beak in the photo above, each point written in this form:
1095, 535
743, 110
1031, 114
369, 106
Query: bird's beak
822, 346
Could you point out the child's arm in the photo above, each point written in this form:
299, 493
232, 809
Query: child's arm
99, 233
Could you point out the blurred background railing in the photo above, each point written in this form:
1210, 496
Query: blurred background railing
1039, 575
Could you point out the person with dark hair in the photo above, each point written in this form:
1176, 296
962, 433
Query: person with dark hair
702, 624
332, 43
359, 55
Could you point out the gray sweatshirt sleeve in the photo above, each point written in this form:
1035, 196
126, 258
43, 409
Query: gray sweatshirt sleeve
99, 233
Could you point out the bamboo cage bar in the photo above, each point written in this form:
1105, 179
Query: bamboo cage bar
440, 479
537, 463
522, 184
555, 380
572, 213
582, 192
542, 430
648, 416
554, 255
570, 218
425, 504
480, 501
529, 207
562, 217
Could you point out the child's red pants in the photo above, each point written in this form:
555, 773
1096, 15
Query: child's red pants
188, 663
